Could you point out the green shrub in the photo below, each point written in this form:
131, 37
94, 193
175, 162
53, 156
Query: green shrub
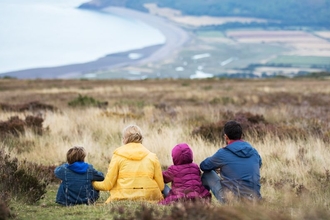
86, 101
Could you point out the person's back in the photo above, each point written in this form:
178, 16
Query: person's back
184, 176
134, 172
135, 179
239, 165
76, 176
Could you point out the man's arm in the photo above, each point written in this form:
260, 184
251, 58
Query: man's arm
213, 162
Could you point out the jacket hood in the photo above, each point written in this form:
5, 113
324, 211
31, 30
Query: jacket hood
78, 167
132, 151
241, 149
182, 154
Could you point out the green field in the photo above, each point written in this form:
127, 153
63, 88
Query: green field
224, 56
301, 61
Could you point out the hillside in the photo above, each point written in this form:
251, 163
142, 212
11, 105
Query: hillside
289, 12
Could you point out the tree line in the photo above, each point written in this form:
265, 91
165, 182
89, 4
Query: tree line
287, 12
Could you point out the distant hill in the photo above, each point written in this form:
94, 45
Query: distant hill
315, 13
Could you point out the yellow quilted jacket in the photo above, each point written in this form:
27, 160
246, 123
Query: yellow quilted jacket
134, 173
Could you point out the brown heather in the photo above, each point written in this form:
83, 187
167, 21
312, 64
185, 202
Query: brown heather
286, 120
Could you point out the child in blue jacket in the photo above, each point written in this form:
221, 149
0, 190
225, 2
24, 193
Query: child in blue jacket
77, 176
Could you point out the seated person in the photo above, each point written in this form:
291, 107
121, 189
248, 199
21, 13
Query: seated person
184, 176
239, 165
77, 176
134, 172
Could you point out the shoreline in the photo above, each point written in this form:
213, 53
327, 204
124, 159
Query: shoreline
73, 71
175, 39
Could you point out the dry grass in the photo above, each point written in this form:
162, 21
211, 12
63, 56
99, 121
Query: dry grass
295, 172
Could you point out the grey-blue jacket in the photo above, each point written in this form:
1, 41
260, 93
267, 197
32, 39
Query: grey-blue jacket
239, 165
76, 186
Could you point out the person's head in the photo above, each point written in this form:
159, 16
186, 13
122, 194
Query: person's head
182, 154
132, 134
75, 154
233, 130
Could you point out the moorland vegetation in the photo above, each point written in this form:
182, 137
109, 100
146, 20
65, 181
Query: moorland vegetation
286, 120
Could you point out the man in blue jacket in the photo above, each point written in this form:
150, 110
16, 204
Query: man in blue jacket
239, 165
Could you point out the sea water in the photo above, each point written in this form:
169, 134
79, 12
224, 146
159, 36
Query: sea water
47, 33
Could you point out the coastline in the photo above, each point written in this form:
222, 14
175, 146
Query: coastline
174, 35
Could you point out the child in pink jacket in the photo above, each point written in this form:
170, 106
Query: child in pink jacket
185, 177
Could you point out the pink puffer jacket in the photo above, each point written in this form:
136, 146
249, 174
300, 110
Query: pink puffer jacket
185, 177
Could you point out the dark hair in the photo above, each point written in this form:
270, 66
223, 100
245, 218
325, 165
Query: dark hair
76, 154
233, 130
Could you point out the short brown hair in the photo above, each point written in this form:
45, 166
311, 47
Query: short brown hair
76, 154
132, 134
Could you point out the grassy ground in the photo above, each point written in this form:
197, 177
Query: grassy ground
286, 120
48, 209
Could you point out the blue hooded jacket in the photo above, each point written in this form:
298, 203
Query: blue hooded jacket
239, 165
76, 186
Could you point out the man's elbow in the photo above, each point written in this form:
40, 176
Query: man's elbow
206, 168
203, 167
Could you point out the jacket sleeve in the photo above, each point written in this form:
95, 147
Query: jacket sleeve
97, 175
158, 175
213, 162
168, 175
59, 172
111, 177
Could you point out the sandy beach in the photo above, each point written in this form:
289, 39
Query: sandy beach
175, 39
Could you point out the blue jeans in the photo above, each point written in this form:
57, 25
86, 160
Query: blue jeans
211, 181
166, 191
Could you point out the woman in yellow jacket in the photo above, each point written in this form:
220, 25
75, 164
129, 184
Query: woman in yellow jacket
134, 172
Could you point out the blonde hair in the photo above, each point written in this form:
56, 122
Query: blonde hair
75, 154
132, 134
